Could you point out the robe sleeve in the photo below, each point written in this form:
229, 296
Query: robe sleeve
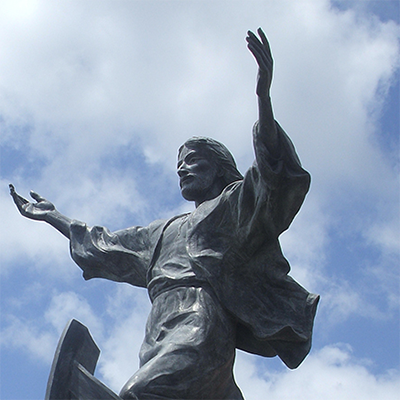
273, 189
250, 214
275, 314
121, 256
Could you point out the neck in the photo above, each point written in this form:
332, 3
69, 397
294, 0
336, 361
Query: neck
212, 193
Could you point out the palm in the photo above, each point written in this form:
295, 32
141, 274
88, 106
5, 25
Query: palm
38, 210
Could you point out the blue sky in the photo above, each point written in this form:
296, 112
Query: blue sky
95, 99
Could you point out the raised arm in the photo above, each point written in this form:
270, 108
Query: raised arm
41, 210
267, 129
285, 182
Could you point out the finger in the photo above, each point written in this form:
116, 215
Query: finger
256, 53
251, 37
17, 198
19, 201
253, 40
262, 36
264, 41
264, 62
263, 44
256, 49
36, 196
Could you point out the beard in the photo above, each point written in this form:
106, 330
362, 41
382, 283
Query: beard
199, 190
192, 192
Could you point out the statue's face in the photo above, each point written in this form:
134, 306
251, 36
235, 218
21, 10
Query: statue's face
198, 175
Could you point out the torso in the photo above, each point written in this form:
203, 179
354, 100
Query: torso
172, 267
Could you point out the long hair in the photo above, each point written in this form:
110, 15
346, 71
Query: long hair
218, 153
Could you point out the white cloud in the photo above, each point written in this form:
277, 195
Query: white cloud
78, 83
331, 373
88, 88
305, 243
26, 336
96, 90
29, 244
127, 309
386, 235
68, 305
38, 337
326, 87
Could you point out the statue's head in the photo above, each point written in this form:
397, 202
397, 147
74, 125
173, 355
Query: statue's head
205, 168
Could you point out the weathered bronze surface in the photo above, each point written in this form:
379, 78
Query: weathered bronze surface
216, 277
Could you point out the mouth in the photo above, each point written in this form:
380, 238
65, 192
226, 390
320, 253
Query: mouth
185, 179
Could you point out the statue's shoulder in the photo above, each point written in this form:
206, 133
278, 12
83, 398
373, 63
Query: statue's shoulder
156, 226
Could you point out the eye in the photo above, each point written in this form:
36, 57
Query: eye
193, 159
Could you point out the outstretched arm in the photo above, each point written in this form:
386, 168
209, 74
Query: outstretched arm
42, 210
267, 130
122, 256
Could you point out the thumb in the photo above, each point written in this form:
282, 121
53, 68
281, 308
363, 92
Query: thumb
36, 196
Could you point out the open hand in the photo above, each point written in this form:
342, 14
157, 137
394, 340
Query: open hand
262, 53
38, 210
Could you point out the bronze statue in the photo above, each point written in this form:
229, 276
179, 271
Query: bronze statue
216, 277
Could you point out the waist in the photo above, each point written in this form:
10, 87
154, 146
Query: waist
162, 285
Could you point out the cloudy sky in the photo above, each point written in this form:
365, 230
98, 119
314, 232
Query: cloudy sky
95, 99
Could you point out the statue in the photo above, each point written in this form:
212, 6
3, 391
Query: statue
216, 277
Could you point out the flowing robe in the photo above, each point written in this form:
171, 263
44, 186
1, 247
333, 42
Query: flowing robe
232, 247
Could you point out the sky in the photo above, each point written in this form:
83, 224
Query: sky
95, 99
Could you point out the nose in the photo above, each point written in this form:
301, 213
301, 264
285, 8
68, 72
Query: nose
182, 170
